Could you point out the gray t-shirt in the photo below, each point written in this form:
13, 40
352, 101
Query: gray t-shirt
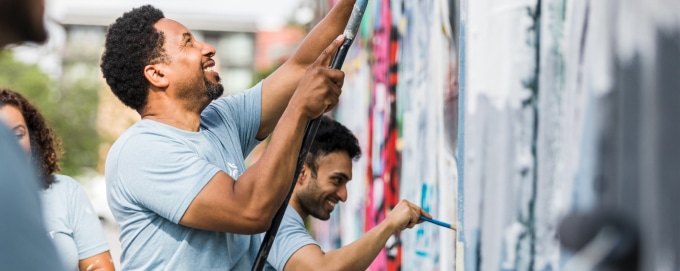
23, 242
153, 173
291, 236
71, 222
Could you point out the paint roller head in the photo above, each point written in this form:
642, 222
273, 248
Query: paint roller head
578, 229
355, 19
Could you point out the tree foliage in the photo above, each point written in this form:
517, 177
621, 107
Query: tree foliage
69, 106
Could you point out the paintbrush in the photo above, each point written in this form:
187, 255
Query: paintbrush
437, 222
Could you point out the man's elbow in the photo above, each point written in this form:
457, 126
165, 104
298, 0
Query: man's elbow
257, 222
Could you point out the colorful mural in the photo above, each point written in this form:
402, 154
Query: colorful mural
402, 72
504, 118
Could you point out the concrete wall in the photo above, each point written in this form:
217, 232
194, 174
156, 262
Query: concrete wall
507, 116
568, 110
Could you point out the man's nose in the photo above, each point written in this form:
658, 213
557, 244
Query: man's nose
342, 193
207, 50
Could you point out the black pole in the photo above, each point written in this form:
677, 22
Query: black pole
310, 134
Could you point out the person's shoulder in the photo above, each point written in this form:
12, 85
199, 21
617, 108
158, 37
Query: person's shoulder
143, 132
292, 217
64, 182
131, 131
140, 127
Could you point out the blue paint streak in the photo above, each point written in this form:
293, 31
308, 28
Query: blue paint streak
424, 199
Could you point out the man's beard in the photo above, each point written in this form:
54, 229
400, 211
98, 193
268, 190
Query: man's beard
213, 90
197, 100
310, 203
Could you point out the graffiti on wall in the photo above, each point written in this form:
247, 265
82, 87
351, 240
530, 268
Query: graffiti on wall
503, 117
402, 72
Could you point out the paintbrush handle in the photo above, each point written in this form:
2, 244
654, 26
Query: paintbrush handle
437, 222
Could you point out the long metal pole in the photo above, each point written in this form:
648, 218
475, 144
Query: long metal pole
310, 132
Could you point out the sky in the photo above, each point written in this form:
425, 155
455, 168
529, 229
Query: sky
266, 13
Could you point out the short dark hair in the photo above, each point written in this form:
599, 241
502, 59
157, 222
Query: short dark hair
331, 136
45, 146
132, 42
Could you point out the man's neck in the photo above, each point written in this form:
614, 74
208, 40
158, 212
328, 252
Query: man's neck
173, 114
294, 203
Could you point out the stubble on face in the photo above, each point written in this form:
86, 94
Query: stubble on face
310, 202
213, 90
201, 93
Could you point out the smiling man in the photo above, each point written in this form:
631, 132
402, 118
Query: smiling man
176, 181
322, 183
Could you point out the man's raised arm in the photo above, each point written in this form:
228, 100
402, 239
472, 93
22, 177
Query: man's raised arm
278, 87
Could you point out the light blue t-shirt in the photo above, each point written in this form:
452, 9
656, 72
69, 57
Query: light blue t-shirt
291, 236
71, 222
153, 173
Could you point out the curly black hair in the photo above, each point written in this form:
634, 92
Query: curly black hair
45, 146
132, 42
331, 136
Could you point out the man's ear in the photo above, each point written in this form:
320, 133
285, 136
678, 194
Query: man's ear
302, 178
154, 74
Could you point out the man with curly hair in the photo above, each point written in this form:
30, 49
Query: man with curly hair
176, 181
23, 242
321, 185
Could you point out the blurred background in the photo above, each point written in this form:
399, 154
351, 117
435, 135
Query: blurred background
546, 130
63, 78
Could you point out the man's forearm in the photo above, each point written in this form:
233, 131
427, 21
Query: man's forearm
359, 254
272, 173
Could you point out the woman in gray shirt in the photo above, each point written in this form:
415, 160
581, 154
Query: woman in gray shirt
69, 216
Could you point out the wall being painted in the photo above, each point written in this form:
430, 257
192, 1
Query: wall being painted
568, 110
504, 117
401, 100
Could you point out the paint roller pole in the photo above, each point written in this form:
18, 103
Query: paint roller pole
310, 132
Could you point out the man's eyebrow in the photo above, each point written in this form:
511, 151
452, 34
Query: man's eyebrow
186, 36
342, 174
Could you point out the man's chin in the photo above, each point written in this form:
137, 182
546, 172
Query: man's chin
214, 95
213, 90
323, 217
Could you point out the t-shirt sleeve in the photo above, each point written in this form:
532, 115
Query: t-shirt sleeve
87, 229
162, 174
291, 237
240, 112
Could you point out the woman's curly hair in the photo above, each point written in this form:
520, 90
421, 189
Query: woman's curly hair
132, 42
45, 146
